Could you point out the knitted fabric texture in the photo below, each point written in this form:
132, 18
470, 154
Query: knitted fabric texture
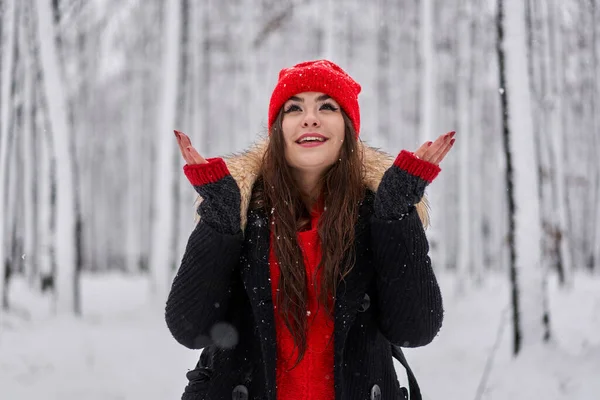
317, 76
405, 184
222, 198
312, 378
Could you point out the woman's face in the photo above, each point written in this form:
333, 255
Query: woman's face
312, 115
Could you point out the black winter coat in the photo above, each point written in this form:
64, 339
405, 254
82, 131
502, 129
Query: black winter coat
221, 300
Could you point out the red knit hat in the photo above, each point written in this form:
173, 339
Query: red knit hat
317, 76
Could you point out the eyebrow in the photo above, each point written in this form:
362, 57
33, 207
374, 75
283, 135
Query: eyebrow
320, 98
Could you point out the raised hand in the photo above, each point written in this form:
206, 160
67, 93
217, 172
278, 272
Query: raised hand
434, 152
189, 153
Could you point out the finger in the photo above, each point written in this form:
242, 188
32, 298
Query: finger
438, 147
179, 143
440, 142
435, 156
186, 140
421, 150
192, 152
195, 156
433, 149
182, 149
441, 156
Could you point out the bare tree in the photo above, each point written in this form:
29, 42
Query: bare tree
430, 126
7, 52
549, 135
61, 135
595, 262
466, 156
161, 253
529, 306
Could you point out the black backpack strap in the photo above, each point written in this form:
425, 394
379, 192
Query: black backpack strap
415, 392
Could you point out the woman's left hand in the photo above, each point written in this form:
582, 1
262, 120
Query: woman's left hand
434, 152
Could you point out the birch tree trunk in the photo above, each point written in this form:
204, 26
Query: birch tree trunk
477, 89
595, 137
329, 44
383, 70
555, 109
428, 71
466, 156
562, 251
7, 38
429, 127
161, 253
44, 221
584, 32
181, 188
538, 67
58, 115
530, 316
28, 134
134, 211
445, 16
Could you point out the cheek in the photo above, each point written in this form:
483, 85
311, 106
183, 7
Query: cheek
339, 128
287, 126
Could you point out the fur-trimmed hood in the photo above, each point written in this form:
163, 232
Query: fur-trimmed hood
245, 166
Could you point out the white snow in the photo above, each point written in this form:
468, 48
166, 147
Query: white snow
121, 348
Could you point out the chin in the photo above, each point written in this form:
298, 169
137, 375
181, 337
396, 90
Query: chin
312, 165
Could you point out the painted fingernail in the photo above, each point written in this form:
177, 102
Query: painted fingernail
429, 144
452, 142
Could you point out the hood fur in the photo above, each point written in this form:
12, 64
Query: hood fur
244, 168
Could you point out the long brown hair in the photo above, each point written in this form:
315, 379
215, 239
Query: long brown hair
276, 191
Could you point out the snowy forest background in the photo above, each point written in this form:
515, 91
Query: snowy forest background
95, 210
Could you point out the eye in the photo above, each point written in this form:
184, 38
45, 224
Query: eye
328, 106
292, 107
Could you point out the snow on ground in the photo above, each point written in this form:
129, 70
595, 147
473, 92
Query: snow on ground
121, 348
454, 364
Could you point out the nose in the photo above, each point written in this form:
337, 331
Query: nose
311, 120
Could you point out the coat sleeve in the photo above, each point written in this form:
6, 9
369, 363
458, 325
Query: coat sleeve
201, 289
409, 298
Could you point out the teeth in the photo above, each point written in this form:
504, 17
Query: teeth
311, 139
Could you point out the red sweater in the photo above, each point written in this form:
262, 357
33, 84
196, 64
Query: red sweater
312, 378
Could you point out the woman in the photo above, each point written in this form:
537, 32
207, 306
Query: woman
310, 257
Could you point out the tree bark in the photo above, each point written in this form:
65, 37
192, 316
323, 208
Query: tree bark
530, 316
65, 278
162, 228
8, 18
383, 72
466, 156
596, 110
30, 251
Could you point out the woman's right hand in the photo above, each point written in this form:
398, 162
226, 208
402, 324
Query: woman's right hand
189, 153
